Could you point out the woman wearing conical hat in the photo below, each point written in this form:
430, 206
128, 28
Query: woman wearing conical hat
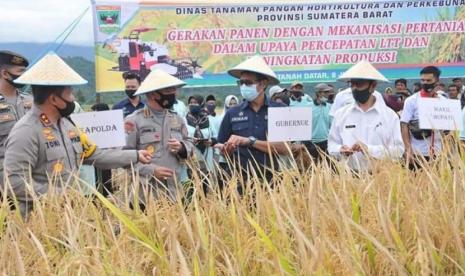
366, 129
45, 148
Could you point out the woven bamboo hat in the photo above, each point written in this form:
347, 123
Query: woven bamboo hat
51, 70
158, 79
362, 70
255, 64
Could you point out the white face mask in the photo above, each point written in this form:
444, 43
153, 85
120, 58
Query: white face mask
249, 92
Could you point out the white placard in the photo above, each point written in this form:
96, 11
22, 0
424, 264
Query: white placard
289, 124
440, 114
104, 128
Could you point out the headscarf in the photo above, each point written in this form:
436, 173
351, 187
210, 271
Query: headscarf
227, 102
198, 121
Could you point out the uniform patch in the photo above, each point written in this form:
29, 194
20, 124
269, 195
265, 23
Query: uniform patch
47, 131
350, 126
72, 134
240, 119
50, 137
58, 167
6, 117
129, 126
150, 149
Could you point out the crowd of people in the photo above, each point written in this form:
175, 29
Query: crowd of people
168, 141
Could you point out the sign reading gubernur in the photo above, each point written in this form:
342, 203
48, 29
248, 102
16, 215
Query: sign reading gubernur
440, 114
104, 128
289, 124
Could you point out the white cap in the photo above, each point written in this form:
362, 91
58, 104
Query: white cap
255, 64
275, 90
158, 79
362, 70
51, 70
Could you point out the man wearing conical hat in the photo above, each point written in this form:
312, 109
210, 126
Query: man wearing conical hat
45, 148
345, 97
366, 129
243, 131
13, 103
162, 132
421, 143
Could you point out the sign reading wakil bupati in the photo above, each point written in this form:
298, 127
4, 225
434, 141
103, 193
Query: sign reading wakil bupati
104, 128
440, 114
310, 41
289, 124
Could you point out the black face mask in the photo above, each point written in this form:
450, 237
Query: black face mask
68, 110
428, 87
130, 93
361, 96
331, 98
296, 96
195, 109
13, 77
166, 101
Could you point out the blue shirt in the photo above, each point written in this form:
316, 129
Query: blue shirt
127, 106
243, 121
321, 121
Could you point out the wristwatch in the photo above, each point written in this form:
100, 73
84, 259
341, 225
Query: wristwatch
252, 141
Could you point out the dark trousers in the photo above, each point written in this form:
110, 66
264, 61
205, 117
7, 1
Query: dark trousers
317, 150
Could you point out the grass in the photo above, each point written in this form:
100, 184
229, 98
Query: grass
315, 222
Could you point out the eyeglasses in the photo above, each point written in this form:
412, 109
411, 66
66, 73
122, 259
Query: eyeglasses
246, 82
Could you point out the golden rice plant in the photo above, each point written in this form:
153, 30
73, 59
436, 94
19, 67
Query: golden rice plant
316, 220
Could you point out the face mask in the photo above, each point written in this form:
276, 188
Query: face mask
195, 109
324, 99
428, 87
69, 108
249, 92
130, 93
331, 98
211, 108
296, 96
361, 96
13, 77
166, 101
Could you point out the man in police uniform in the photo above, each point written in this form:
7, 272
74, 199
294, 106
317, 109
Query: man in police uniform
161, 132
244, 127
13, 104
45, 148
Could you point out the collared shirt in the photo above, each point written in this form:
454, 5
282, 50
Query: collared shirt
378, 128
243, 121
321, 121
410, 113
127, 106
345, 97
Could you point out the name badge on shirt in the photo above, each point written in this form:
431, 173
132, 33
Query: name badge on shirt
240, 119
350, 126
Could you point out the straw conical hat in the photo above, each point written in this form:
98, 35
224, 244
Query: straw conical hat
50, 70
255, 64
362, 70
158, 79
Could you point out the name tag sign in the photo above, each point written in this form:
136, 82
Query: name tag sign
439, 114
104, 128
289, 124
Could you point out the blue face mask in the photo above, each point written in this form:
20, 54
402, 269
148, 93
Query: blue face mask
249, 92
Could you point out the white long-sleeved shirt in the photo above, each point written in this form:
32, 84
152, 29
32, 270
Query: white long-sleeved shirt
345, 97
378, 128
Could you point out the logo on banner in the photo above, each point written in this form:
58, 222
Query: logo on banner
109, 18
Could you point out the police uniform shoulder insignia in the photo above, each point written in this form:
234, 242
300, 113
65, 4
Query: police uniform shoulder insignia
44, 119
147, 113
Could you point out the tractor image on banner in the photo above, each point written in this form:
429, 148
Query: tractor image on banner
309, 41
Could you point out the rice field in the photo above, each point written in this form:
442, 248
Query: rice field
314, 222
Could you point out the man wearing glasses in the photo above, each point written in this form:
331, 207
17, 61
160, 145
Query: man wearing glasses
243, 131
132, 102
